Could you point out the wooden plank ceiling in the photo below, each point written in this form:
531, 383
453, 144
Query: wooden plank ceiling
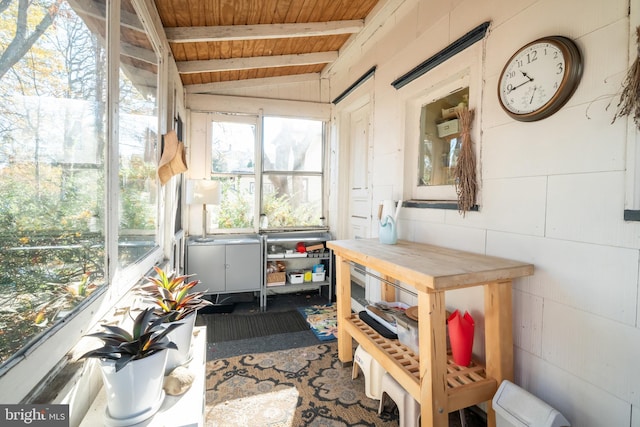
228, 40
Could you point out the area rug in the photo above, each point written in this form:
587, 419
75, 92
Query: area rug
229, 327
297, 387
322, 319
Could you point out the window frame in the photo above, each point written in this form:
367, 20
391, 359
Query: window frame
291, 173
253, 119
459, 72
632, 170
22, 375
199, 143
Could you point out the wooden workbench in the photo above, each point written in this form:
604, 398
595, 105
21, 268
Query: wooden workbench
432, 379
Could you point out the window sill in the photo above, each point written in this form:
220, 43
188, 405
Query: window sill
435, 204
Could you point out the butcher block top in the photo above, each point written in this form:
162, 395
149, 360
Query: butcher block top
429, 268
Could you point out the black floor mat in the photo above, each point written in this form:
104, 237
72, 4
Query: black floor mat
230, 327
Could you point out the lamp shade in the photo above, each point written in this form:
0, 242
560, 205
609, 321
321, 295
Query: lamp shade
203, 192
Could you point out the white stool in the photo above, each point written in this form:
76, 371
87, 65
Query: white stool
371, 370
408, 408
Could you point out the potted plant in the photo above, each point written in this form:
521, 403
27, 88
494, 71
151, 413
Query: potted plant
63, 298
177, 305
170, 282
132, 366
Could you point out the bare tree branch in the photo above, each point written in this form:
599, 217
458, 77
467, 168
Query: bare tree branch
4, 5
22, 41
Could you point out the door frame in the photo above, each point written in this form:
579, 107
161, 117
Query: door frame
343, 151
362, 97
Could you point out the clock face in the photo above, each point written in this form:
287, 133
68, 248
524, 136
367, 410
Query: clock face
539, 78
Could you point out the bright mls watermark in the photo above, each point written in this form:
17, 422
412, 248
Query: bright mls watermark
34, 415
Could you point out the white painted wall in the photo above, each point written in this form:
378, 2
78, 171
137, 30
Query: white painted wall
553, 191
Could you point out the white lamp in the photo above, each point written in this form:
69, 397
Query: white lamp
203, 192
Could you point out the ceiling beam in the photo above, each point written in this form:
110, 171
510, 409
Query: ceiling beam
97, 9
140, 53
251, 83
189, 67
261, 31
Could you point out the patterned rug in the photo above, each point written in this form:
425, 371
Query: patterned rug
298, 387
322, 319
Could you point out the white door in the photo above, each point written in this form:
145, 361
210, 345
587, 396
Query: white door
359, 177
360, 198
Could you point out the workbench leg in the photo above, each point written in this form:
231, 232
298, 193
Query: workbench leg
388, 292
433, 359
343, 307
498, 332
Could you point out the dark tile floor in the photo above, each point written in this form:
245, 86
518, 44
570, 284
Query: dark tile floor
247, 304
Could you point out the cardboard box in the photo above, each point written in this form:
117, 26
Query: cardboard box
317, 247
276, 279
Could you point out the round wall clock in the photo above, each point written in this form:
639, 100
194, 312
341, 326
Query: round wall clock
539, 78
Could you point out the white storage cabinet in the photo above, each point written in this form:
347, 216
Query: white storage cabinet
226, 264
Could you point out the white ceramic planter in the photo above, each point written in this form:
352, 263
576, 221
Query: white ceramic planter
135, 392
181, 336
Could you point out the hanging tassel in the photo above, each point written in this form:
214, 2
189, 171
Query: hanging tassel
629, 103
465, 171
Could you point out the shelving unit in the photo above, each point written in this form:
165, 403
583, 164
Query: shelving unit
281, 248
433, 379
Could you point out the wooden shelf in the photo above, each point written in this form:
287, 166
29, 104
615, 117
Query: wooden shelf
466, 385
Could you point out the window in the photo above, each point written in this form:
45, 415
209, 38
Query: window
292, 179
440, 139
60, 161
137, 148
52, 127
432, 133
282, 172
632, 195
233, 159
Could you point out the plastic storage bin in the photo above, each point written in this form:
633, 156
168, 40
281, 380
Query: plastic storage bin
407, 332
318, 277
295, 277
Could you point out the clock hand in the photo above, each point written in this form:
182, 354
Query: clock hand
533, 93
529, 79
516, 87
527, 76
